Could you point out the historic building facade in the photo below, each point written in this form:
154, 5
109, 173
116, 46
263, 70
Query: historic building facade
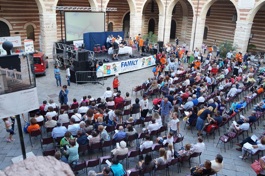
192, 21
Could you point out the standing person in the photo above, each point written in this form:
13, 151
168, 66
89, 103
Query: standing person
174, 124
137, 38
144, 106
115, 46
165, 108
141, 45
8, 126
13, 120
116, 82
177, 41
57, 76
68, 75
63, 95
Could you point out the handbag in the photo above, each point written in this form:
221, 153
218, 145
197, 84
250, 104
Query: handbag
256, 166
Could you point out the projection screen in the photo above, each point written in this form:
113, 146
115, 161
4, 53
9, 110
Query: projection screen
77, 23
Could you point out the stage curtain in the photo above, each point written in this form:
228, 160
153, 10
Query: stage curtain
92, 39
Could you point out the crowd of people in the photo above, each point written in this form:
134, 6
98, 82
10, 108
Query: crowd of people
197, 93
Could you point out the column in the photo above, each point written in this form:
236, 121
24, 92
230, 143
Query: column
161, 23
48, 32
183, 32
197, 32
135, 24
242, 34
167, 29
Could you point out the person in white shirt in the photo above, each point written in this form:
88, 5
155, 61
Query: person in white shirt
236, 127
83, 108
39, 117
77, 116
158, 118
169, 139
147, 143
58, 131
73, 127
50, 122
153, 126
51, 112
170, 153
199, 146
229, 55
68, 75
201, 99
144, 105
108, 93
50, 103
63, 117
232, 92
174, 124
217, 164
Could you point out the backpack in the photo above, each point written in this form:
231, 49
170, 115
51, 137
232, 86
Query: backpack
154, 70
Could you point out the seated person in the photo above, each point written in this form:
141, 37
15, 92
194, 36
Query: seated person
73, 127
162, 159
153, 126
82, 138
184, 152
117, 168
51, 112
50, 122
217, 163
147, 143
121, 149
63, 117
58, 131
234, 127
205, 169
39, 117
147, 163
253, 148
166, 139
199, 146
65, 140
94, 138
33, 125
252, 118
120, 135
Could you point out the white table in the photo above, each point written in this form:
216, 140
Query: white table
122, 50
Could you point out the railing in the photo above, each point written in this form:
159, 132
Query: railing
13, 74
89, 77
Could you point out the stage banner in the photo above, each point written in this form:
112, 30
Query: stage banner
28, 101
29, 46
108, 69
16, 41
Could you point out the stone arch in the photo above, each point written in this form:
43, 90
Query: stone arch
160, 4
40, 5
131, 3
122, 19
29, 23
252, 13
183, 5
7, 23
207, 5
155, 23
205, 33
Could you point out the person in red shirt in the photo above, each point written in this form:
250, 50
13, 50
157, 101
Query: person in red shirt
41, 108
118, 100
116, 83
214, 70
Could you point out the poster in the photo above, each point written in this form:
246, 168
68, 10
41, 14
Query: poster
15, 40
29, 46
108, 69
28, 101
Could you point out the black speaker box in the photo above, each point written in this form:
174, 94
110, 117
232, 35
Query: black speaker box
82, 55
160, 45
80, 65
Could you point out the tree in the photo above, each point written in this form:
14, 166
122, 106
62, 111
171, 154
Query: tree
225, 47
151, 37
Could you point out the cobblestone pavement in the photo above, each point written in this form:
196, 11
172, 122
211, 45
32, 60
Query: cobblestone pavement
47, 88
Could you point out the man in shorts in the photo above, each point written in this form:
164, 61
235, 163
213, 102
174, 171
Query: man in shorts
115, 47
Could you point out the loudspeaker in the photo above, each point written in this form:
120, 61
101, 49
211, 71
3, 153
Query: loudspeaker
80, 65
82, 55
160, 45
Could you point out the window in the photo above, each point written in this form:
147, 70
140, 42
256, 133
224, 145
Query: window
151, 25
205, 33
110, 27
30, 32
4, 29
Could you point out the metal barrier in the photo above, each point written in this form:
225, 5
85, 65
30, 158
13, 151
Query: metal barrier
89, 77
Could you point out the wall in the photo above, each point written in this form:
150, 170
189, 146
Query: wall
147, 14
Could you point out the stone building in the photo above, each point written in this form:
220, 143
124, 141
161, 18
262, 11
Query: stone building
192, 21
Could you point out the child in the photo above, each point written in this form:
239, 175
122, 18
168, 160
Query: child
174, 124
9, 129
186, 152
116, 82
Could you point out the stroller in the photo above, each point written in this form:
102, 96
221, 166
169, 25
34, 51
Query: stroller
156, 104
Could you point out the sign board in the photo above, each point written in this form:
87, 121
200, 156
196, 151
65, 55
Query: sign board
108, 69
28, 101
29, 46
15, 40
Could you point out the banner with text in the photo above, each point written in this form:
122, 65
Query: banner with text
108, 69
15, 40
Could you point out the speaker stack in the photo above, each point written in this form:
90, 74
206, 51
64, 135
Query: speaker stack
160, 46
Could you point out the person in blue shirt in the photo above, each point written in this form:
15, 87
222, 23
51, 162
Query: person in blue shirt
195, 100
165, 108
120, 134
57, 76
63, 95
117, 168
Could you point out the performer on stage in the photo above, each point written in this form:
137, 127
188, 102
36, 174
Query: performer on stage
115, 46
